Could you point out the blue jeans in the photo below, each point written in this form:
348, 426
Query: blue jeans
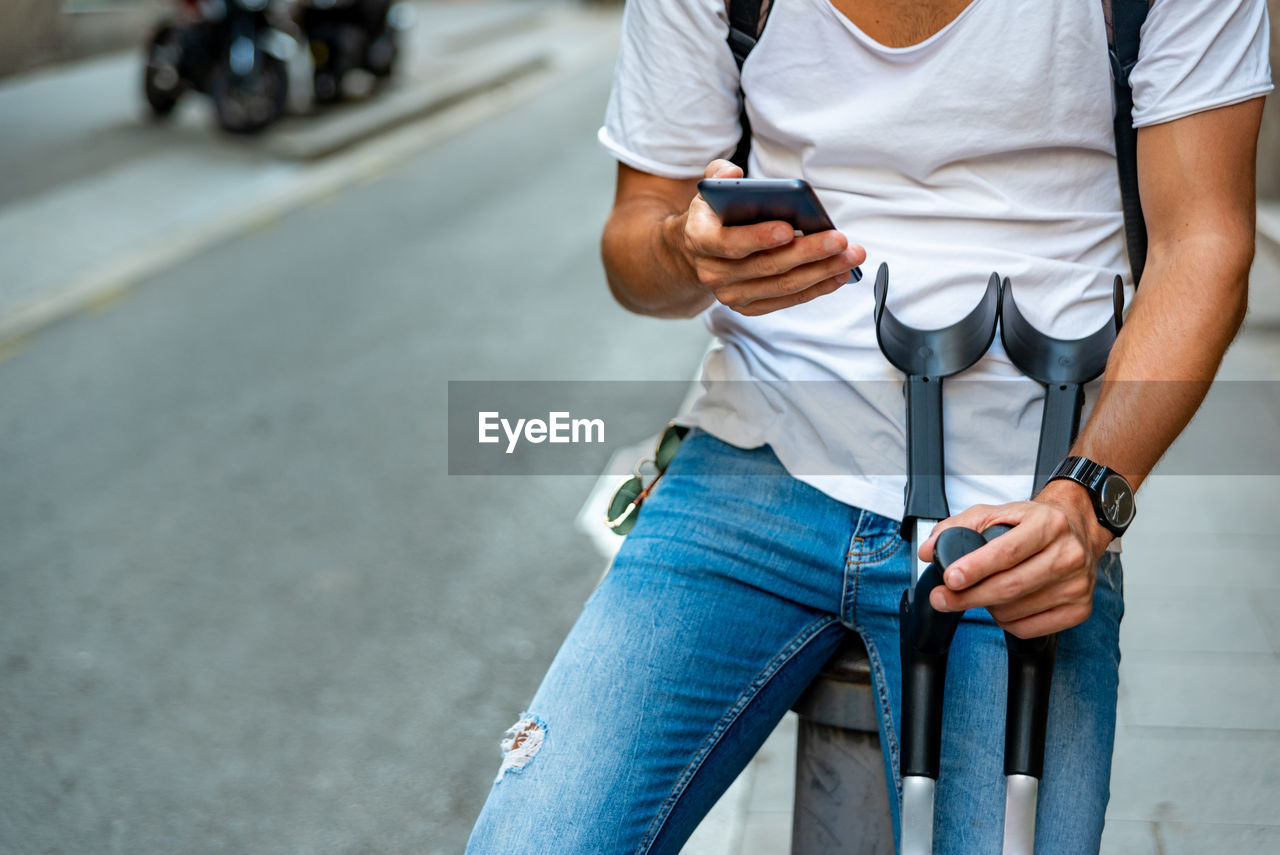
735, 586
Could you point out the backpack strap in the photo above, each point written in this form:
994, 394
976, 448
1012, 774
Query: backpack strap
746, 22
1124, 28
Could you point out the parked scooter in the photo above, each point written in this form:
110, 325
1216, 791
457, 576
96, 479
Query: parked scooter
345, 35
236, 51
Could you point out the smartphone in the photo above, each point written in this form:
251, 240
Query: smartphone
743, 201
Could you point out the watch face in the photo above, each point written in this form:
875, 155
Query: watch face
1117, 501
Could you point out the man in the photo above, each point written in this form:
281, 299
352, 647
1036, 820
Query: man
950, 139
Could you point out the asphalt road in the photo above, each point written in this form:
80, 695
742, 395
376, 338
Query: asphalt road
243, 606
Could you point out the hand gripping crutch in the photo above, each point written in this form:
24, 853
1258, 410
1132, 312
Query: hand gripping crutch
1062, 367
926, 357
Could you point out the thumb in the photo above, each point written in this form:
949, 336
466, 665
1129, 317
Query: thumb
721, 168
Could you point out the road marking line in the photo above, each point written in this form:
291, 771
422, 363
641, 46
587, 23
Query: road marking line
107, 298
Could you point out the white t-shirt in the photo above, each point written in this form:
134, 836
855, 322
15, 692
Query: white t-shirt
987, 147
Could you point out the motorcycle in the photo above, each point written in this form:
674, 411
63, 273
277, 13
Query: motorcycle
235, 51
345, 35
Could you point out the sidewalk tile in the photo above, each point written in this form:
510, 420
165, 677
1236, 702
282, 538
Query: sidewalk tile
48, 240
1236, 432
1193, 506
1266, 605
1221, 620
1129, 838
720, 831
773, 790
1255, 354
767, 834
1123, 716
1213, 838
1222, 694
1264, 278
1206, 562
1193, 777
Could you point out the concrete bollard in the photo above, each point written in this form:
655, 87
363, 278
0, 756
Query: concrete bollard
841, 799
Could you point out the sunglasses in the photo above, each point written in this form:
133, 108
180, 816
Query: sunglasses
624, 507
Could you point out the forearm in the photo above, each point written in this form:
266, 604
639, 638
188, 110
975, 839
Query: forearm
1197, 183
1185, 315
646, 272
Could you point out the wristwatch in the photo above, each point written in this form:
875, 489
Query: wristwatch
1111, 494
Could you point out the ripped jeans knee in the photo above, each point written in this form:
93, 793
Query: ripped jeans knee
521, 743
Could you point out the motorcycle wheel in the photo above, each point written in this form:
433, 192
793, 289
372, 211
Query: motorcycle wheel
380, 55
162, 83
246, 104
327, 87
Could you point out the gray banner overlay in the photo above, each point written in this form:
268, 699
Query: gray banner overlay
574, 427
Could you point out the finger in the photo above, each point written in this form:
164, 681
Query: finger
1001, 555
1051, 621
1039, 528
708, 237
1049, 597
1073, 588
1023, 580
788, 270
742, 245
721, 168
800, 251
1033, 528
704, 229
976, 518
740, 294
773, 304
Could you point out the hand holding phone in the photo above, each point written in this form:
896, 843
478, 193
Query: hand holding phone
763, 265
745, 201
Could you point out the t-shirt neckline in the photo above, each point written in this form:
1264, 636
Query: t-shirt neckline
886, 50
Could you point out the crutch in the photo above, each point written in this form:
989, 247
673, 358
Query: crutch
926, 357
1062, 367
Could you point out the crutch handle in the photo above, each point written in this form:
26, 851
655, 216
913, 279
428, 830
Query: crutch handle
926, 640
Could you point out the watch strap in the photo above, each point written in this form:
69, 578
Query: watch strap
1093, 476
1083, 471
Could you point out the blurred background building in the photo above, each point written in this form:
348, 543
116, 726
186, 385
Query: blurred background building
33, 32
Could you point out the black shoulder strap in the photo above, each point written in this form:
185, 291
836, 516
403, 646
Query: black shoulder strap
746, 22
1124, 27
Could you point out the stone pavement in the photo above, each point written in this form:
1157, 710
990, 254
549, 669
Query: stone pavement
1197, 758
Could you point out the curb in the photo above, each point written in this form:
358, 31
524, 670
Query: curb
447, 113
330, 132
